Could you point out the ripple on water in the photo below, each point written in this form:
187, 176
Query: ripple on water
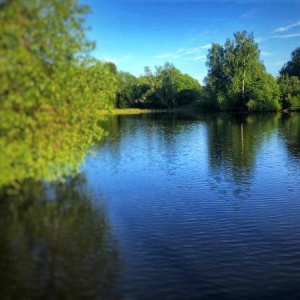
200, 214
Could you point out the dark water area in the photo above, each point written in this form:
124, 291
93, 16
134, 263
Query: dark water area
166, 207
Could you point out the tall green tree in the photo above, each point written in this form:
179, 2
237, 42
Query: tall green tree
292, 67
263, 94
232, 70
289, 92
289, 82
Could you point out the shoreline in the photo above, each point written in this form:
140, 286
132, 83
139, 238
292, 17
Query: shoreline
137, 111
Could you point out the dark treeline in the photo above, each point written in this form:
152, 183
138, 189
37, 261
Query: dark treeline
52, 91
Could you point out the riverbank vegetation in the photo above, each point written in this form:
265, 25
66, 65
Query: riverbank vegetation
52, 92
50, 89
237, 80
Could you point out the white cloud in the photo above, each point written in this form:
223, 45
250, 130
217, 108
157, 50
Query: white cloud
199, 57
285, 28
287, 36
261, 39
197, 49
284, 36
250, 13
265, 53
280, 36
186, 54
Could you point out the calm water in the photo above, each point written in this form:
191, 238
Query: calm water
167, 207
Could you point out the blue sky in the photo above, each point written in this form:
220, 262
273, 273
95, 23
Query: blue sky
138, 33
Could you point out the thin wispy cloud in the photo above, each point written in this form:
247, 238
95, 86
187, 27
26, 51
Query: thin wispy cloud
265, 53
249, 14
197, 49
186, 54
287, 36
262, 39
286, 28
284, 36
199, 57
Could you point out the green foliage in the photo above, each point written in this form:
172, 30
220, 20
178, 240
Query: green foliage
292, 67
264, 94
131, 90
290, 92
289, 82
170, 88
125, 89
189, 90
236, 78
50, 92
189, 96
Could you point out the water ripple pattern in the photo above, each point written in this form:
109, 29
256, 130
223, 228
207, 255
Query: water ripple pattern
202, 208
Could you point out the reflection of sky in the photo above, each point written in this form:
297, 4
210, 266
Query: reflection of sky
274, 169
155, 157
158, 159
182, 229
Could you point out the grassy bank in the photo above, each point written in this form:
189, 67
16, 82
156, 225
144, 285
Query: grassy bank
125, 111
130, 111
136, 111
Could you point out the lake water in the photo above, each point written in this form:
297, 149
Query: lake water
168, 206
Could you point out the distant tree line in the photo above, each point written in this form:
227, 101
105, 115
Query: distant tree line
237, 80
167, 87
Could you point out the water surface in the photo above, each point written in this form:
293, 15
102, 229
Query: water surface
167, 207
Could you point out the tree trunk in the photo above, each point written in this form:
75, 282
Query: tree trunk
243, 87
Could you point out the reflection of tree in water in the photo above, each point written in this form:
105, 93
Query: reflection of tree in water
234, 141
144, 131
231, 145
54, 244
290, 130
165, 126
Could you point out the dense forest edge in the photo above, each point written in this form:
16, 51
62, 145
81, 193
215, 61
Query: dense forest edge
53, 93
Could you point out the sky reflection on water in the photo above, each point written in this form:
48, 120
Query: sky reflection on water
167, 207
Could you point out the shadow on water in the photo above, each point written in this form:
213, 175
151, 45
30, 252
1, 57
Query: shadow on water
55, 244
